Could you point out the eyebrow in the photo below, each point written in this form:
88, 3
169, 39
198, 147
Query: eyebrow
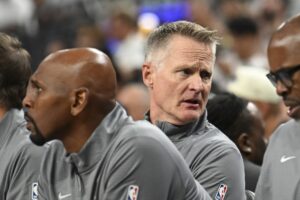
35, 82
192, 66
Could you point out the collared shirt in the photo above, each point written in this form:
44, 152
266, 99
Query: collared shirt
213, 158
122, 159
20, 159
279, 177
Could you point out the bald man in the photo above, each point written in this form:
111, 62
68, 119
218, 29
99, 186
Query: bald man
103, 154
279, 177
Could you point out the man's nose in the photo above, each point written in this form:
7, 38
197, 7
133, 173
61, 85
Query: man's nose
281, 89
196, 83
27, 103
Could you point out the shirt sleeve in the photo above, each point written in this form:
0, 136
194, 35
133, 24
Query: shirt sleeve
143, 169
222, 174
23, 183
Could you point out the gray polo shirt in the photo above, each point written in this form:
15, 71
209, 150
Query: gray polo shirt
279, 177
20, 159
121, 160
213, 158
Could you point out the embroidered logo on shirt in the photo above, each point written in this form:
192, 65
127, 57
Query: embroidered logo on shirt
34, 191
60, 196
133, 191
221, 192
285, 158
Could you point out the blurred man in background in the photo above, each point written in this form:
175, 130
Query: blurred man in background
241, 121
135, 99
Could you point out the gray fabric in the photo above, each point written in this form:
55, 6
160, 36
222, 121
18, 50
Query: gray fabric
120, 153
212, 157
280, 178
20, 159
252, 172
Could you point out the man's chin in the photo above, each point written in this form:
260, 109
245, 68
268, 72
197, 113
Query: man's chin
185, 119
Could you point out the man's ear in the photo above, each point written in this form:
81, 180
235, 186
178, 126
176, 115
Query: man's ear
244, 143
79, 100
147, 73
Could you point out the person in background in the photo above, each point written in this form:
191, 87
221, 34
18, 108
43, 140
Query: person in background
101, 153
241, 121
178, 72
135, 99
20, 159
245, 48
279, 178
252, 84
130, 51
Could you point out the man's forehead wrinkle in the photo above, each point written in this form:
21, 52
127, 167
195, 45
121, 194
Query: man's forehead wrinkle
197, 54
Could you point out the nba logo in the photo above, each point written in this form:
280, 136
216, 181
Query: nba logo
221, 192
133, 191
34, 193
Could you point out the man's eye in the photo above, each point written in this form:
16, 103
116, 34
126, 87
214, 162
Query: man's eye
186, 71
39, 89
205, 75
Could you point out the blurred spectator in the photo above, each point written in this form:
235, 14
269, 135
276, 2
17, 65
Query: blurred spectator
89, 35
270, 14
252, 84
227, 9
246, 49
135, 99
15, 13
54, 45
242, 123
53, 26
129, 55
202, 14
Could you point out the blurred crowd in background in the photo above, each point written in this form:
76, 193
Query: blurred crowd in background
119, 28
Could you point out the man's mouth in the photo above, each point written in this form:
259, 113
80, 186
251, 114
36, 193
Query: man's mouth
293, 108
28, 120
193, 103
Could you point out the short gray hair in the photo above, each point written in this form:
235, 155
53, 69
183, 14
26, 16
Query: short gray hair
161, 35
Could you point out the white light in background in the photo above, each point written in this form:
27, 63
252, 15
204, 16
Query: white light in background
147, 22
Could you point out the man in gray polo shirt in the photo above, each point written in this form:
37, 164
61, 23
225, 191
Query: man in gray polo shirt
102, 153
279, 178
178, 72
19, 158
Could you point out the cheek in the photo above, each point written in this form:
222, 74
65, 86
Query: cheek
51, 114
164, 86
206, 90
